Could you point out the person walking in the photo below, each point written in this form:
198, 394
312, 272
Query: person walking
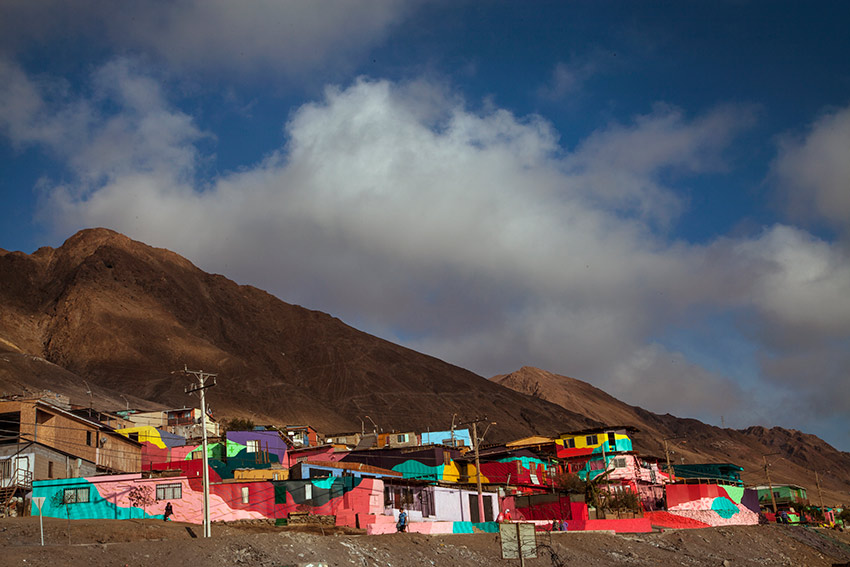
402, 521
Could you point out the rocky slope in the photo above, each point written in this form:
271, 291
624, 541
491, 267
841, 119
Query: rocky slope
124, 316
795, 456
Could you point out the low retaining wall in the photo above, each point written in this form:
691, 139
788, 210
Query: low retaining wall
663, 519
625, 526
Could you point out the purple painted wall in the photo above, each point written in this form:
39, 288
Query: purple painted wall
269, 441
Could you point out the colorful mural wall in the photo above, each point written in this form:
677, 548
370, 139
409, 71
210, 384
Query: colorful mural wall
268, 442
157, 445
516, 470
712, 504
588, 443
588, 453
132, 497
429, 463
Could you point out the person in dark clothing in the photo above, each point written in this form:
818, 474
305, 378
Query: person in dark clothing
402, 521
168, 511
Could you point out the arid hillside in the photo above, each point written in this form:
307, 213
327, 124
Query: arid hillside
123, 317
110, 322
794, 456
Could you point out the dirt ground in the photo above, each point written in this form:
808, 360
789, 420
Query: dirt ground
103, 543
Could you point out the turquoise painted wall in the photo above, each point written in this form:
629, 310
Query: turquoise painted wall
96, 508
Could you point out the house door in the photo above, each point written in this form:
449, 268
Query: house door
612, 442
488, 508
426, 500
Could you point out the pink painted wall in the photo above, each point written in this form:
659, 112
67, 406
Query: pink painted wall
315, 454
187, 509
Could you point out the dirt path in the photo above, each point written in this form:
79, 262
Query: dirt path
102, 543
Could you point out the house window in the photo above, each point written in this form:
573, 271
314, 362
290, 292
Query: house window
49, 469
591, 440
6, 468
88, 438
134, 436
75, 496
402, 438
253, 445
619, 463
570, 443
244, 495
169, 491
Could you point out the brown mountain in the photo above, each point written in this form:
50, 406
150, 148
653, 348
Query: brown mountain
123, 317
794, 456
108, 321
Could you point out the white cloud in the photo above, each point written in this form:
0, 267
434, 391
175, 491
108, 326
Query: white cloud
470, 235
565, 79
255, 37
620, 166
568, 78
803, 285
815, 171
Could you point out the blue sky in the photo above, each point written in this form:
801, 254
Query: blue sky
653, 197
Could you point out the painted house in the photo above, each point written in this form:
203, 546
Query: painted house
639, 475
185, 422
324, 469
786, 496
347, 440
396, 439
61, 443
451, 438
433, 463
131, 496
319, 452
519, 468
262, 442
587, 452
157, 445
429, 503
302, 435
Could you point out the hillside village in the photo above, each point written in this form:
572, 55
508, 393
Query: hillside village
85, 463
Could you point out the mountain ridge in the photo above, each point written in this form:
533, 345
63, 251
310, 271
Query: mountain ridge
801, 453
126, 316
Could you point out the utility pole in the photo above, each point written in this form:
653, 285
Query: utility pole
203, 384
454, 415
478, 474
667, 455
820, 494
769, 483
476, 442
